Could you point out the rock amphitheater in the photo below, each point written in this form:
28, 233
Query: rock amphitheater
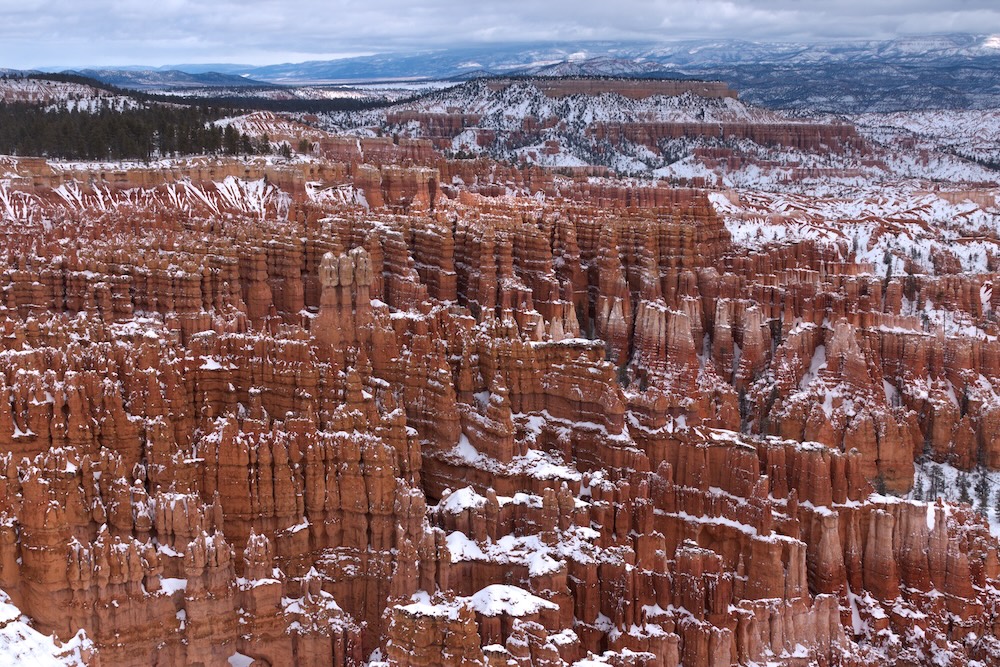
392, 409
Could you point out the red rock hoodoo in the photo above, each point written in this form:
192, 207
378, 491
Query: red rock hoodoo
338, 413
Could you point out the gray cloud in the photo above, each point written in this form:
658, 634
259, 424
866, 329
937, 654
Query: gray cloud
104, 32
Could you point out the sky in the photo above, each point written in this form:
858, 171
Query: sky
78, 33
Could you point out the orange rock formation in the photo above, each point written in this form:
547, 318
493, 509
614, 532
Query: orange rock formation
430, 426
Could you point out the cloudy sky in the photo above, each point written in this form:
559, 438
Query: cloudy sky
75, 33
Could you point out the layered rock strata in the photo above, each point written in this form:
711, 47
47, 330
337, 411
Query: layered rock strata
567, 421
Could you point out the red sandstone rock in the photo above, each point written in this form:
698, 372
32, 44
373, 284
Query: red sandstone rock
307, 431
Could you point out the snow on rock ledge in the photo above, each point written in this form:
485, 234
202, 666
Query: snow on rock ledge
20, 644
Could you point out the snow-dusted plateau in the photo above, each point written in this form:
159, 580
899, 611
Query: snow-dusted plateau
564, 370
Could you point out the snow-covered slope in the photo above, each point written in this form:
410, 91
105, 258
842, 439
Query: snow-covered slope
524, 124
63, 95
505, 109
20, 644
43, 90
563, 126
888, 232
971, 134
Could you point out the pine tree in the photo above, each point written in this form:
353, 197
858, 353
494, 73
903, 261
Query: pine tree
983, 494
937, 481
962, 481
231, 141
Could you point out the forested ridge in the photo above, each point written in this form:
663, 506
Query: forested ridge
151, 126
139, 133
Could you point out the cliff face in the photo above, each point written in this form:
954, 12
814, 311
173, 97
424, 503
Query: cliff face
686, 132
383, 420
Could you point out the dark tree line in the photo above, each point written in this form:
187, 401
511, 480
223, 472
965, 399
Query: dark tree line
158, 126
109, 134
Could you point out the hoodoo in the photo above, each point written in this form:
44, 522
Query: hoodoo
385, 404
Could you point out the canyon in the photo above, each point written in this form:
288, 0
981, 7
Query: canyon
382, 405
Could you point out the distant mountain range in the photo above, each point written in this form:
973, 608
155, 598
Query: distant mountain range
941, 71
171, 79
